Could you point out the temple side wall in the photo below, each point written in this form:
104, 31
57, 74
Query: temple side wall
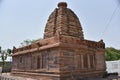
82, 62
47, 61
66, 63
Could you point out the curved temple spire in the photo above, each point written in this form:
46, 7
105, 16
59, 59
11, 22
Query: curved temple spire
65, 21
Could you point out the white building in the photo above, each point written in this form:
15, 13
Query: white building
113, 66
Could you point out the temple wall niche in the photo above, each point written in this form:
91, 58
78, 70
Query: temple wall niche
28, 63
15, 62
67, 60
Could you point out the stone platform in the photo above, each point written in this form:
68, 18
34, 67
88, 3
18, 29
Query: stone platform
7, 76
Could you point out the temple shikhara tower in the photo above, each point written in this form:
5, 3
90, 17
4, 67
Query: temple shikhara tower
63, 53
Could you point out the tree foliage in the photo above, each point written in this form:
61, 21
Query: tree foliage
3, 55
112, 54
28, 42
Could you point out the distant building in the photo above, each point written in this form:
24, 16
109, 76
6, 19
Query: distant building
63, 54
113, 66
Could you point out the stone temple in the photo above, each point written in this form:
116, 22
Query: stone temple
63, 53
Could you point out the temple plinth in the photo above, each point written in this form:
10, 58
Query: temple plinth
63, 53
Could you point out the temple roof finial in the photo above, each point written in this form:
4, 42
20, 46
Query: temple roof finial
62, 4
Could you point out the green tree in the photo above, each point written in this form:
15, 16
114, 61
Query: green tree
112, 54
3, 55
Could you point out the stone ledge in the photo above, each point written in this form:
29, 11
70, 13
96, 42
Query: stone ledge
37, 74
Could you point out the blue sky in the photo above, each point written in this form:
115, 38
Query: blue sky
26, 19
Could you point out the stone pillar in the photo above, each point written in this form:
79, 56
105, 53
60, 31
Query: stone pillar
89, 61
82, 63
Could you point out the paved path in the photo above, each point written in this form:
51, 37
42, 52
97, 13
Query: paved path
6, 76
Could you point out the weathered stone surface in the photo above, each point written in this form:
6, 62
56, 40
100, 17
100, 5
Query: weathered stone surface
63, 54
